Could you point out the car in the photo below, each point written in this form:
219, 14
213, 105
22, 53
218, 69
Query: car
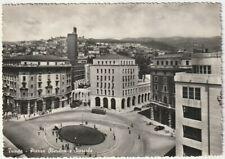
158, 128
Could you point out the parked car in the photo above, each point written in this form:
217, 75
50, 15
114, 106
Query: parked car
157, 128
137, 109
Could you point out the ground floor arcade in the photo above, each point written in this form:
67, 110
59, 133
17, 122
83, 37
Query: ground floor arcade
35, 106
162, 114
119, 103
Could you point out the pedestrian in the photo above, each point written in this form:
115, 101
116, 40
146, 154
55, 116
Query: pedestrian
129, 132
53, 133
139, 136
110, 129
62, 147
56, 139
114, 137
132, 125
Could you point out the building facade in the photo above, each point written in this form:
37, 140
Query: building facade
114, 83
199, 108
162, 72
82, 94
36, 83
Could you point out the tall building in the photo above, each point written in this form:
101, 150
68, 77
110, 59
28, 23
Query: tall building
115, 85
35, 83
72, 49
78, 70
162, 72
199, 108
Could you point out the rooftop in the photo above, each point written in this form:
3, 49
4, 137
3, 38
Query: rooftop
113, 56
37, 58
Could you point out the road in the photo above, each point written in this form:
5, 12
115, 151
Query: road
24, 134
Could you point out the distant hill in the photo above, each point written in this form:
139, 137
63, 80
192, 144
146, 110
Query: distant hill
188, 43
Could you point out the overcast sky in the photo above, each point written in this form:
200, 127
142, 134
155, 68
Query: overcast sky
33, 22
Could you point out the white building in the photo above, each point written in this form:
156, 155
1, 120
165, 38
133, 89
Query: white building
81, 94
114, 83
198, 107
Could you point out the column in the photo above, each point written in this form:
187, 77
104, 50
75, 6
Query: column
18, 107
44, 106
52, 104
152, 113
170, 119
35, 107
60, 104
28, 107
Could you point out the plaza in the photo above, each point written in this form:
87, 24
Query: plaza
126, 134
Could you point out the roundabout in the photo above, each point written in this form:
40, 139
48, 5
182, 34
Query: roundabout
81, 135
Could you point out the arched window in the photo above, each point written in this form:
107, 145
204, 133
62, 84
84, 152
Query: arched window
97, 102
113, 103
105, 102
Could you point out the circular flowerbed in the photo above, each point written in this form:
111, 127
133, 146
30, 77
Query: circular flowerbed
81, 135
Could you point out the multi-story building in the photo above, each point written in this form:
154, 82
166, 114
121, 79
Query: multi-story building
162, 72
33, 83
199, 108
114, 83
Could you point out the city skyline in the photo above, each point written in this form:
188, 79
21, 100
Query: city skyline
111, 21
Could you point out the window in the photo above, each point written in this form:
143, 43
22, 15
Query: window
191, 93
192, 133
112, 70
171, 62
165, 88
156, 87
97, 77
105, 70
101, 71
105, 78
109, 78
187, 63
47, 63
97, 70
166, 62
97, 91
157, 62
190, 151
109, 71
192, 113
205, 69
155, 78
185, 93
162, 62
112, 92
31, 86
97, 84
197, 93
31, 78
176, 62
209, 69
24, 78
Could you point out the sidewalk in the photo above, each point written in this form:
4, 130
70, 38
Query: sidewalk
11, 149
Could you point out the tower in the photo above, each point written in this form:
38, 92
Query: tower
72, 52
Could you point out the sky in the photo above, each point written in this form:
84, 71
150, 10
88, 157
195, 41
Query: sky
34, 22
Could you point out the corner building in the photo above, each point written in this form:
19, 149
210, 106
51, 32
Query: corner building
114, 83
199, 107
33, 84
162, 72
